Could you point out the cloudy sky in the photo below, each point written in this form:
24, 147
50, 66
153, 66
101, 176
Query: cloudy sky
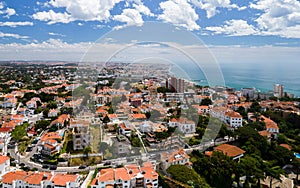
66, 29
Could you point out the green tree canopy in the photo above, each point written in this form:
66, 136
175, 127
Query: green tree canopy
187, 176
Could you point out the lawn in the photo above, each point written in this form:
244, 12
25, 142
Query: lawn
85, 161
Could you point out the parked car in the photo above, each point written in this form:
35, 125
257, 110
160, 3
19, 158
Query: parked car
45, 166
82, 167
107, 163
53, 167
29, 149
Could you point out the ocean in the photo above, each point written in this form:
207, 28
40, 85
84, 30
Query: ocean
261, 76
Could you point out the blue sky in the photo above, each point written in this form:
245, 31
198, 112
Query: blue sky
47, 26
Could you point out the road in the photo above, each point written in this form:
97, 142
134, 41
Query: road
26, 159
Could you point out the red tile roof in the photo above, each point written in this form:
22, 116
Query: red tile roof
138, 116
286, 146
3, 159
63, 179
229, 150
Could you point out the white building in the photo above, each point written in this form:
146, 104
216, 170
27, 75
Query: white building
228, 116
126, 177
18, 179
183, 125
278, 90
4, 164
175, 157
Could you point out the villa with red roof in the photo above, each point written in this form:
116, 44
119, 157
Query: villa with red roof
50, 143
175, 157
231, 151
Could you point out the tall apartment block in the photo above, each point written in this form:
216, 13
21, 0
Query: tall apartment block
278, 90
176, 84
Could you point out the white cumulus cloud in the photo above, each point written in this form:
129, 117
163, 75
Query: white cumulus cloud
52, 17
15, 24
131, 17
179, 13
211, 6
92, 10
143, 9
278, 17
6, 11
12, 35
234, 28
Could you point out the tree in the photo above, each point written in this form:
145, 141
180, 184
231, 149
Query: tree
123, 98
255, 107
242, 111
252, 169
45, 112
273, 172
206, 102
187, 176
19, 132
106, 119
87, 150
52, 105
103, 146
296, 168
42, 124
219, 169
135, 142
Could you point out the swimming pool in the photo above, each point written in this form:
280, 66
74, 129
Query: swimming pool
297, 155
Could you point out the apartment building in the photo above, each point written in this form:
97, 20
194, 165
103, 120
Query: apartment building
81, 134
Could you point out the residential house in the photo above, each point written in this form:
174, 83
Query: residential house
113, 117
53, 112
234, 119
101, 112
4, 164
202, 109
19, 118
32, 103
271, 126
228, 116
128, 176
135, 102
137, 117
60, 121
17, 179
9, 103
230, 150
174, 157
174, 97
183, 125
124, 130
51, 143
